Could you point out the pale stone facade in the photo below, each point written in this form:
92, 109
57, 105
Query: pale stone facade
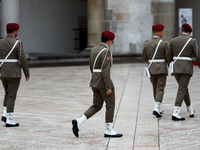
131, 21
164, 13
10, 13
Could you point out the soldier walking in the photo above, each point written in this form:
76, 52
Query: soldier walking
12, 59
154, 53
180, 53
102, 86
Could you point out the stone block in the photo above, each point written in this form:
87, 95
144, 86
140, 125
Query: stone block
113, 26
167, 8
108, 15
139, 48
168, 20
156, 19
123, 26
169, 34
121, 16
162, 7
140, 8
119, 6
95, 14
94, 38
133, 48
105, 25
94, 26
155, 8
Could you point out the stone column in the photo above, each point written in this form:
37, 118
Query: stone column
164, 13
10, 14
95, 14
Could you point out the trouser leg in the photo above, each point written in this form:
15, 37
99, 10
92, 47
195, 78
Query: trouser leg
153, 79
182, 94
110, 105
100, 96
11, 86
5, 85
158, 82
97, 104
187, 98
160, 86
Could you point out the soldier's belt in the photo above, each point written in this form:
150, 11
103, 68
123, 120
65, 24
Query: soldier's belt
9, 60
157, 60
96, 70
183, 58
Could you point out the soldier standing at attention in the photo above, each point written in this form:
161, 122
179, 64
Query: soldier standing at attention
183, 68
154, 54
102, 86
12, 59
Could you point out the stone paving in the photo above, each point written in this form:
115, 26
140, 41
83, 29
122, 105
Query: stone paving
54, 96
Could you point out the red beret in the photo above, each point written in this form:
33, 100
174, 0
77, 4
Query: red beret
187, 26
109, 35
12, 26
157, 27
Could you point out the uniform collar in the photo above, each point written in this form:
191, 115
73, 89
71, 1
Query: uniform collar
11, 36
185, 34
105, 45
156, 37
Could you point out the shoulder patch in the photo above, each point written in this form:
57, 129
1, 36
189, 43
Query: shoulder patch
108, 57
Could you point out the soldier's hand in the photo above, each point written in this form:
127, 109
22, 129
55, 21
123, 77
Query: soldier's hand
109, 91
27, 78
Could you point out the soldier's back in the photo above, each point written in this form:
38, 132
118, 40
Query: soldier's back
6, 45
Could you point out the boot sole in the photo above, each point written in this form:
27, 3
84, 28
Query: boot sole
177, 119
75, 128
114, 136
192, 116
11, 125
3, 119
157, 114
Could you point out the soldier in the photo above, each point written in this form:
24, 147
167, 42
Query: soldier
181, 50
154, 54
12, 59
102, 86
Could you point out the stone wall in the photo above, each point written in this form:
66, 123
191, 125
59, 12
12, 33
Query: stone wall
131, 21
0, 18
163, 12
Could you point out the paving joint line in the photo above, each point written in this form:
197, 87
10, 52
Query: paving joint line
158, 134
119, 103
137, 111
